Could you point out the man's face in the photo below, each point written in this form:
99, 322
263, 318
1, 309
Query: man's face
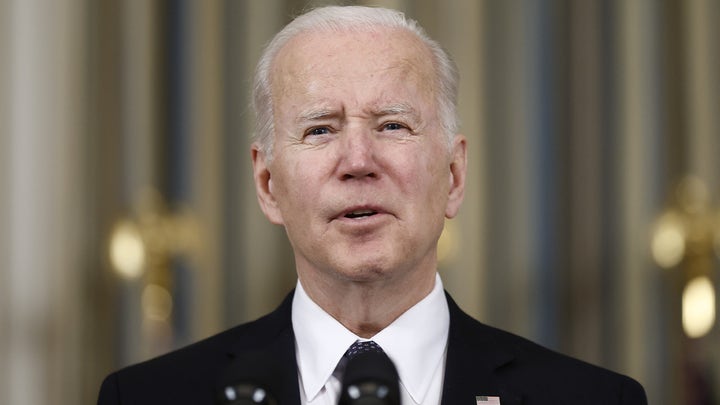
362, 176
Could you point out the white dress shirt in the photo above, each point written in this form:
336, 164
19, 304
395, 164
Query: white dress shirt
416, 342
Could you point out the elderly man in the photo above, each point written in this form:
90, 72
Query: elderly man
357, 155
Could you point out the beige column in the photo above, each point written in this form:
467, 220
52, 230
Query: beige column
394, 4
138, 118
206, 133
585, 141
637, 132
43, 180
5, 182
459, 31
701, 133
702, 94
509, 192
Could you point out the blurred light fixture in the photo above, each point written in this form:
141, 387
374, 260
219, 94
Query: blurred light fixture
143, 247
127, 250
156, 302
141, 243
687, 237
668, 242
698, 307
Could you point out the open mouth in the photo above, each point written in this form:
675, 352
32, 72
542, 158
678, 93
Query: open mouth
360, 214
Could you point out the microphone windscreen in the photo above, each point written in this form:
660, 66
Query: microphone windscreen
370, 379
250, 379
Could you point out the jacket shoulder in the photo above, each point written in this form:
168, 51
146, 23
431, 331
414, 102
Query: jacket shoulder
534, 371
190, 374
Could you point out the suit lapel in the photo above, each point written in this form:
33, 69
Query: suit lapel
474, 365
266, 351
475, 360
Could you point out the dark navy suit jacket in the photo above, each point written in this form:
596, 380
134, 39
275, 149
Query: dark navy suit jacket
481, 361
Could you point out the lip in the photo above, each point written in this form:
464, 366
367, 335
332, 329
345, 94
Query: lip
347, 215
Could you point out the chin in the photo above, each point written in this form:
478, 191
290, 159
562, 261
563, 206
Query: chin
369, 270
364, 271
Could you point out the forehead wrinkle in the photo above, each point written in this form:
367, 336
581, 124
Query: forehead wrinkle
400, 108
378, 110
315, 114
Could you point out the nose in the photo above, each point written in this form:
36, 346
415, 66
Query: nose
357, 156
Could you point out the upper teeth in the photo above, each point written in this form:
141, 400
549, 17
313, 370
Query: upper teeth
360, 213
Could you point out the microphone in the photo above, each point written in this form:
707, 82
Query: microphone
245, 393
249, 380
370, 379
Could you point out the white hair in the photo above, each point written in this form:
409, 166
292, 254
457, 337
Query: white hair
341, 18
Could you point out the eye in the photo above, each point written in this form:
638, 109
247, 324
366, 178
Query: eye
318, 131
318, 135
393, 126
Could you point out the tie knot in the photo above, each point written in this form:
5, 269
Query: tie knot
360, 347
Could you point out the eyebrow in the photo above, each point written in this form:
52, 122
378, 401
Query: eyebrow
316, 114
395, 109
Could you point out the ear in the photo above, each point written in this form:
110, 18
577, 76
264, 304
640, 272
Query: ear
264, 185
458, 172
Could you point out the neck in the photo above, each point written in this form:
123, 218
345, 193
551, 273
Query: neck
367, 307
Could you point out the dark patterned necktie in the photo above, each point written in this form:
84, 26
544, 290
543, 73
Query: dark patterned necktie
369, 377
360, 347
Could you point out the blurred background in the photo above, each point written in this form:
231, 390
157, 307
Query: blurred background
129, 225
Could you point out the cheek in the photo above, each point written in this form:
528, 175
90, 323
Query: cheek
437, 182
424, 183
435, 170
296, 185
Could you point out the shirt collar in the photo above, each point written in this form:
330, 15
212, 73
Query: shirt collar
415, 341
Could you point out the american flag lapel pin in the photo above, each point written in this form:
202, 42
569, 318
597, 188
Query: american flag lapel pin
484, 400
